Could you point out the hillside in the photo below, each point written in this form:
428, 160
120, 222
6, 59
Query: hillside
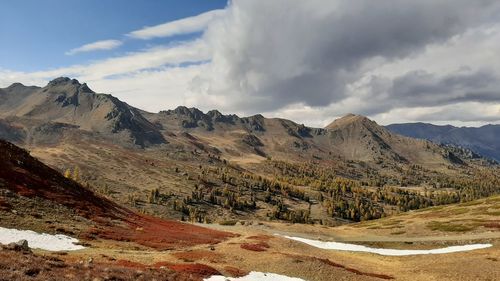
123, 245
358, 138
34, 196
205, 167
482, 140
65, 104
362, 139
64, 107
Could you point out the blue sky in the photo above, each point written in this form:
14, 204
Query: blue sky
35, 34
309, 61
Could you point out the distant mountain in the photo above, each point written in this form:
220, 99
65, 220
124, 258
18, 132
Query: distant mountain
484, 140
358, 137
44, 115
352, 137
65, 102
212, 166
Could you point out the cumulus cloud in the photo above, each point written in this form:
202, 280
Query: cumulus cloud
312, 61
187, 52
96, 46
466, 113
183, 26
277, 53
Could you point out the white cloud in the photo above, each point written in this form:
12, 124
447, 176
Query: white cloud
152, 79
314, 61
193, 51
96, 46
182, 26
152, 90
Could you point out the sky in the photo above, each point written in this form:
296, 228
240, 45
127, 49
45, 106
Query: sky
395, 61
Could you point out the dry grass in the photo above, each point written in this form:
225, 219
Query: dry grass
448, 227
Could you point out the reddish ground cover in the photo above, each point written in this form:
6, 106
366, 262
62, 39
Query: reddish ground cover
261, 237
4, 205
256, 247
492, 225
28, 177
235, 272
161, 234
16, 265
195, 268
131, 264
198, 255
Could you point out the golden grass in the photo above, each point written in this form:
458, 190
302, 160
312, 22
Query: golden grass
449, 227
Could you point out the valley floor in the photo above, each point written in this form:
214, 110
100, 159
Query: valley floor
257, 248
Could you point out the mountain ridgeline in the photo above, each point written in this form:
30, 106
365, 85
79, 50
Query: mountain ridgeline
483, 140
187, 164
33, 115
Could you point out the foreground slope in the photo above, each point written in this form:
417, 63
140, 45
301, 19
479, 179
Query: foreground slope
34, 196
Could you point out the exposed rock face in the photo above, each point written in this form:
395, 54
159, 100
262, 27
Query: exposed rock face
352, 137
44, 115
363, 139
67, 101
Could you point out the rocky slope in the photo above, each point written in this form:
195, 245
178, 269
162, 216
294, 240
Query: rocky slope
352, 137
65, 104
45, 115
217, 166
34, 196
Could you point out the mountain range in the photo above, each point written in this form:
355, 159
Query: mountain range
37, 115
483, 140
184, 163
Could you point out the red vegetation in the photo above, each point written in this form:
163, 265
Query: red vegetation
256, 247
492, 225
198, 255
130, 264
162, 264
261, 237
198, 269
18, 265
195, 268
161, 234
4, 206
28, 177
235, 272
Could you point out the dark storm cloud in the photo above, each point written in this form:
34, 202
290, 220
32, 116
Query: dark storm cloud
422, 89
277, 53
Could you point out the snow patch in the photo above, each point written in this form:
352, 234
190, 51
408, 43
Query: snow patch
42, 241
386, 252
255, 276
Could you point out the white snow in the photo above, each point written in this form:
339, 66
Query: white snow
254, 276
386, 252
42, 241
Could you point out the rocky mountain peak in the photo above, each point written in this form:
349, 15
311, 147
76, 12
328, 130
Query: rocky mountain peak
68, 90
15, 85
350, 119
63, 81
